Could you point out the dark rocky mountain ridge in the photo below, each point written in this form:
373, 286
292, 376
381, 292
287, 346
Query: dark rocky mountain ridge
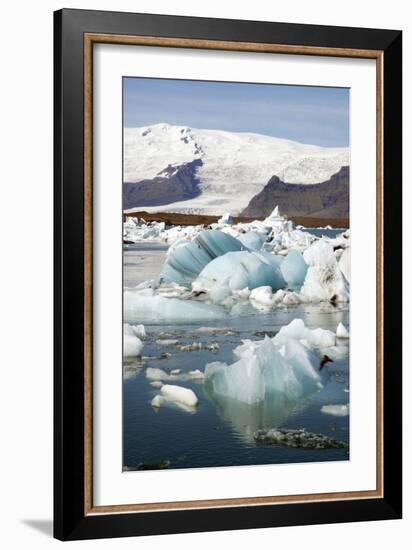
173, 184
328, 199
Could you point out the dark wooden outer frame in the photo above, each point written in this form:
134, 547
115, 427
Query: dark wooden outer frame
75, 517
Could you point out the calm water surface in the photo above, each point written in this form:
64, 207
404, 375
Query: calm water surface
220, 432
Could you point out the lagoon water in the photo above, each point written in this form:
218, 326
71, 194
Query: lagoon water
220, 431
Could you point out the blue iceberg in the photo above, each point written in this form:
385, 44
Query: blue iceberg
238, 270
294, 269
185, 262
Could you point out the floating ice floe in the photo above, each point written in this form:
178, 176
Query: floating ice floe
342, 331
157, 309
175, 394
336, 410
156, 374
164, 342
324, 279
195, 346
132, 345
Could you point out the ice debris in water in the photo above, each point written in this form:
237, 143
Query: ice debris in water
342, 331
163, 342
156, 374
132, 345
157, 309
294, 269
236, 271
262, 295
324, 279
175, 394
336, 410
185, 262
301, 439
266, 368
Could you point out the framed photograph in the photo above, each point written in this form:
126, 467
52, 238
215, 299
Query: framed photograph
227, 274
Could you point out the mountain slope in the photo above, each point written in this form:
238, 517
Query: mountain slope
183, 169
329, 199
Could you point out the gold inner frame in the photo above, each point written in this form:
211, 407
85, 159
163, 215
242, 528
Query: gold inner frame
89, 40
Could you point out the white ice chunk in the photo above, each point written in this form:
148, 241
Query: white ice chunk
342, 331
159, 375
132, 345
294, 269
324, 279
242, 294
262, 295
344, 263
179, 394
291, 299
336, 410
164, 342
296, 330
157, 309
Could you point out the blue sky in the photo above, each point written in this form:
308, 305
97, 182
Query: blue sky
315, 115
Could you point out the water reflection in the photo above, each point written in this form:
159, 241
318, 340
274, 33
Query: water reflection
245, 419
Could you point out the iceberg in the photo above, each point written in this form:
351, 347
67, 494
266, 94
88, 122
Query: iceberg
157, 309
186, 261
226, 219
266, 369
294, 269
252, 240
238, 270
342, 331
132, 345
324, 279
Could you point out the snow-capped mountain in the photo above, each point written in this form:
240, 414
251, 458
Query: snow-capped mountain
182, 169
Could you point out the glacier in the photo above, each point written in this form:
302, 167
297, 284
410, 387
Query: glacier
226, 157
